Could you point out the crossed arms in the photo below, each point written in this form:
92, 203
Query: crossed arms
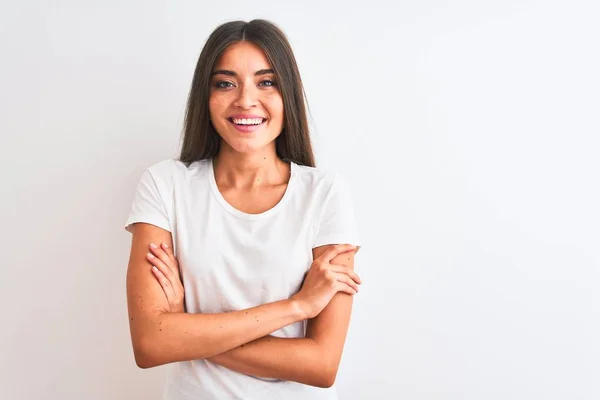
234, 339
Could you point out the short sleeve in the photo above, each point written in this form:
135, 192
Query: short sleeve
148, 205
337, 224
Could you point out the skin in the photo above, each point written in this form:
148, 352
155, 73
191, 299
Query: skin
248, 172
253, 179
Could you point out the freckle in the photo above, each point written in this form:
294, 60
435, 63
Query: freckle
186, 333
220, 327
268, 340
160, 330
246, 312
131, 319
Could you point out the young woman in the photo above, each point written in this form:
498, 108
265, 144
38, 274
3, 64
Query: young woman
241, 272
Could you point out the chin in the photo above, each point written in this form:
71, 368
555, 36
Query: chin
248, 146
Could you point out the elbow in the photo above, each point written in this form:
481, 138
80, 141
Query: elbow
325, 381
327, 365
144, 354
326, 377
143, 364
143, 361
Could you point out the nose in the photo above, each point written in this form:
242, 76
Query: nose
247, 96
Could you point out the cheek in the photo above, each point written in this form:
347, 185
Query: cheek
276, 107
216, 105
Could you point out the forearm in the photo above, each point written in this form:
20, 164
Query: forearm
170, 337
313, 360
293, 359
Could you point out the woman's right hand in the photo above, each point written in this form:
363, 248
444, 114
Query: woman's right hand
324, 280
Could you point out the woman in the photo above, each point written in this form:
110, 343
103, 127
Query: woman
258, 241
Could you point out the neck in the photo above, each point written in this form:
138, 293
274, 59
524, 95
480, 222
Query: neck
249, 170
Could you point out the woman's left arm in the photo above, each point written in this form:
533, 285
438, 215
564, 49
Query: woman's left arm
313, 360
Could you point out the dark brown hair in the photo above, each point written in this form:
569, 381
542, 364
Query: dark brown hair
200, 140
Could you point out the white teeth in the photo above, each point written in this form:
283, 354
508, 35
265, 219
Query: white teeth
247, 121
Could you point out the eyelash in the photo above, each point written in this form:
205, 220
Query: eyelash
218, 84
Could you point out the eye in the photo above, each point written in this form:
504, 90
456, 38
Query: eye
223, 84
268, 82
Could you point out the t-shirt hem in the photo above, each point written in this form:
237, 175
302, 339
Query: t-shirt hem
149, 219
337, 239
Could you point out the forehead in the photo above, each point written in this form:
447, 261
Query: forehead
243, 57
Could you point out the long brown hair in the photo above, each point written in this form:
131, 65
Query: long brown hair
200, 140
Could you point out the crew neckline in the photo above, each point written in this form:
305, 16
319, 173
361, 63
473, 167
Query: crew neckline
241, 214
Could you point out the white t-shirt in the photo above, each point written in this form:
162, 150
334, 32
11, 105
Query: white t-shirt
231, 260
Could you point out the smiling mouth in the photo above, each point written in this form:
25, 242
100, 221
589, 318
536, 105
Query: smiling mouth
246, 122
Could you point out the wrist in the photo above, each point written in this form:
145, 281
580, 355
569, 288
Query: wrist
299, 309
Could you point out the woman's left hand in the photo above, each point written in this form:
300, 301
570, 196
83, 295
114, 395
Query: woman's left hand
166, 272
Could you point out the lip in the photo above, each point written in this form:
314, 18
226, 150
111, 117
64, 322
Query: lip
247, 116
246, 128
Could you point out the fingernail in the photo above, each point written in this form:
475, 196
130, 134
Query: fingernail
153, 246
150, 255
165, 246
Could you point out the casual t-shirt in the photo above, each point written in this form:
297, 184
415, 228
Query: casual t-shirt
231, 260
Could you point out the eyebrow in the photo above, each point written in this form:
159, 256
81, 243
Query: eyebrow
232, 73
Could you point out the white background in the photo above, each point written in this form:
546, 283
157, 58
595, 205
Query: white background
469, 134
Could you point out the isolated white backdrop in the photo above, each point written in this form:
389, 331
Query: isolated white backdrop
469, 134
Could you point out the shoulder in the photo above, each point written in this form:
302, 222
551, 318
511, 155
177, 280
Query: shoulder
173, 170
316, 177
319, 180
173, 165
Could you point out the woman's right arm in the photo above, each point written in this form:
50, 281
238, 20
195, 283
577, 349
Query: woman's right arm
160, 337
